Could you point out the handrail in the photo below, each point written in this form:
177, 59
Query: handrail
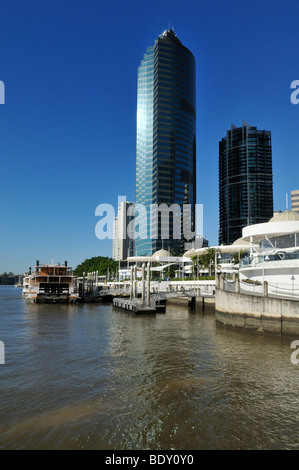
283, 288
255, 283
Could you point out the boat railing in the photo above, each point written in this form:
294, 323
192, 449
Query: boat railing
45, 274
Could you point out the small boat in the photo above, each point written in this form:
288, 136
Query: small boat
50, 283
20, 282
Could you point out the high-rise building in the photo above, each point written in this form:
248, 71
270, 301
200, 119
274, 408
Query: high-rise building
166, 139
295, 200
123, 242
116, 241
245, 180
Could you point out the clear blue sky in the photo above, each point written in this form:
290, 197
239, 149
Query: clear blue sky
68, 126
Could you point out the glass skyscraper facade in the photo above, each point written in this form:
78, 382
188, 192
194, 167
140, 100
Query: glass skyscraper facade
245, 180
166, 139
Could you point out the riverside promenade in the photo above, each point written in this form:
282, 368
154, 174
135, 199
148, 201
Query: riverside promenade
255, 307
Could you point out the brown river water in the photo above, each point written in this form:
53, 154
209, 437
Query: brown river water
93, 377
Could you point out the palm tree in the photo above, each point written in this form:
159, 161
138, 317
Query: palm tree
208, 260
238, 256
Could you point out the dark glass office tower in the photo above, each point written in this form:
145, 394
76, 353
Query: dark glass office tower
245, 180
166, 137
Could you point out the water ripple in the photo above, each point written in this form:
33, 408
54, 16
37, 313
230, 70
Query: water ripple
91, 377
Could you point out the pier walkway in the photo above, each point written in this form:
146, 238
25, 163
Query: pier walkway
157, 301
145, 295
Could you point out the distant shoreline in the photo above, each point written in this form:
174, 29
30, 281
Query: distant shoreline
8, 281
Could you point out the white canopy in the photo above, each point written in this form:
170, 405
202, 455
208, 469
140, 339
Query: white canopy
221, 249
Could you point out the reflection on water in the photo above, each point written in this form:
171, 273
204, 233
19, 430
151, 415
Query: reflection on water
92, 377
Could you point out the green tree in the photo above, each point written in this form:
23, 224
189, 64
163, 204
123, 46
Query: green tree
102, 264
8, 279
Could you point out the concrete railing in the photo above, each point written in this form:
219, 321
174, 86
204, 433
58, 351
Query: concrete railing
264, 289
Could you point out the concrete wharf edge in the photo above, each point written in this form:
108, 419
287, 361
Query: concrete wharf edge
262, 314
